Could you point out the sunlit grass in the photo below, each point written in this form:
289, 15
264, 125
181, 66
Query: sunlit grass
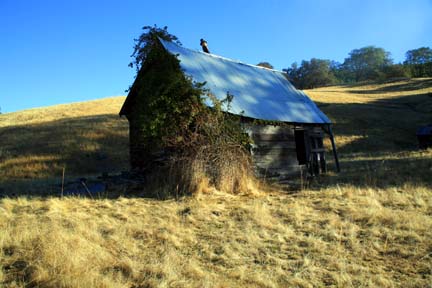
62, 112
341, 236
370, 93
369, 226
85, 138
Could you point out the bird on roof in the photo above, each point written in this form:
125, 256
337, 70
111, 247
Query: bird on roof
204, 46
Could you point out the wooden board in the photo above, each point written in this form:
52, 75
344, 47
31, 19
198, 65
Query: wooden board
272, 137
268, 129
273, 155
274, 150
274, 146
275, 163
293, 172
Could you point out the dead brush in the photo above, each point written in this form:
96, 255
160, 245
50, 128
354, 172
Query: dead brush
225, 168
228, 168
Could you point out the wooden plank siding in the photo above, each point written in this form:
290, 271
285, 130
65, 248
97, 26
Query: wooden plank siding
273, 150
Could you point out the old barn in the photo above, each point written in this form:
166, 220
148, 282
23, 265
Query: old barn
285, 125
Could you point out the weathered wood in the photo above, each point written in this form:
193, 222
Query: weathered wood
274, 145
316, 134
263, 163
289, 157
274, 150
281, 151
275, 163
272, 137
268, 129
318, 150
294, 171
280, 170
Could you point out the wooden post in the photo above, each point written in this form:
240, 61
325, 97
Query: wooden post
64, 167
334, 149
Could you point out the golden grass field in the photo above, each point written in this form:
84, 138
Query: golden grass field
369, 226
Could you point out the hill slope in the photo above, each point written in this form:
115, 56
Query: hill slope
369, 226
375, 127
85, 138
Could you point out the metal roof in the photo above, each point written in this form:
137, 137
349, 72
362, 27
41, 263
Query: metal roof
258, 92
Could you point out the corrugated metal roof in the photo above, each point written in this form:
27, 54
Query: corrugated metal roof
258, 92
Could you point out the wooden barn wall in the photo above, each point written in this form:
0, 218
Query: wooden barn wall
274, 150
138, 150
135, 145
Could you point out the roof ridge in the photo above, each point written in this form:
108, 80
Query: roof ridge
220, 57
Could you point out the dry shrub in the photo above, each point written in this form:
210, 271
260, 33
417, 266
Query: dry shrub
210, 168
228, 169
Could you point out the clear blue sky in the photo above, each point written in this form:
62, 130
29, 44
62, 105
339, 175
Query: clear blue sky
61, 51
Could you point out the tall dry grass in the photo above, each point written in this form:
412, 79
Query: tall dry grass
343, 236
369, 226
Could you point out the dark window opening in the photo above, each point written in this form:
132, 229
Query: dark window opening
300, 141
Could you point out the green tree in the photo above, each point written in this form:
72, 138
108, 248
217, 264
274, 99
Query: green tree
396, 71
143, 45
367, 63
418, 56
293, 74
342, 75
265, 65
419, 62
311, 74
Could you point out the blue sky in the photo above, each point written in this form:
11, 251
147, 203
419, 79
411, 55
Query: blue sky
54, 51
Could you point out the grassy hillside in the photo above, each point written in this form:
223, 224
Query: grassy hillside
375, 127
369, 226
85, 138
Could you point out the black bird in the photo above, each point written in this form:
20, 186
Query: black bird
203, 44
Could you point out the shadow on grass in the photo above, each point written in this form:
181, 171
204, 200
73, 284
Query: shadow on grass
84, 145
33, 157
94, 187
379, 144
380, 127
381, 172
377, 141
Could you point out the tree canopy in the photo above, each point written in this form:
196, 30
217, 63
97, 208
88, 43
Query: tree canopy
311, 74
420, 55
265, 65
146, 40
367, 63
419, 62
